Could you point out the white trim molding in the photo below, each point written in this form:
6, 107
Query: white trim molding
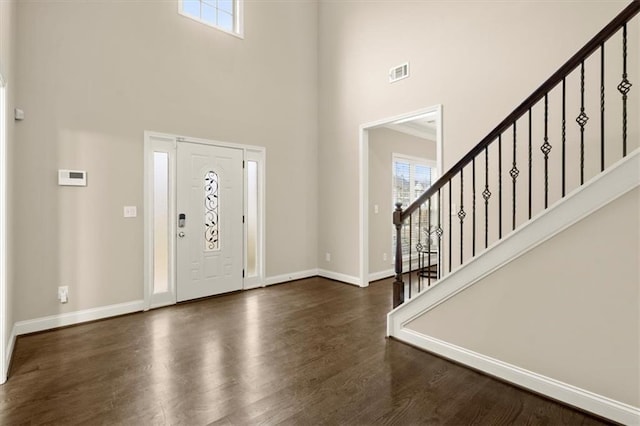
4, 343
77, 317
375, 276
11, 344
292, 276
619, 179
572, 395
337, 276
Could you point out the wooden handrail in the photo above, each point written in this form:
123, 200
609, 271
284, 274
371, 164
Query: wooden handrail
607, 32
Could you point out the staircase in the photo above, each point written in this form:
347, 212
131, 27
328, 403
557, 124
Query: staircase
535, 231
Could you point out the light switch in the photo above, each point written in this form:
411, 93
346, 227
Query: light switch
376, 210
130, 211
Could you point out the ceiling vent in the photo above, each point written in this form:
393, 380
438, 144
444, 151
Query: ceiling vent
399, 72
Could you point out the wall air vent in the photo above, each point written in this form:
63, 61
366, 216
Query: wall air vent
399, 72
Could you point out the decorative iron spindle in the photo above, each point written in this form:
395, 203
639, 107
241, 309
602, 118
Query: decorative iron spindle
602, 106
429, 243
530, 163
473, 207
461, 213
499, 187
582, 121
439, 233
486, 194
546, 149
514, 172
419, 249
564, 136
450, 236
624, 88
410, 265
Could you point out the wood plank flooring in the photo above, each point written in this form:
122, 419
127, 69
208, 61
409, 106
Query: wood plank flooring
303, 353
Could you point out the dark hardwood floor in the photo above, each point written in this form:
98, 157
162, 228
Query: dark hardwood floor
302, 353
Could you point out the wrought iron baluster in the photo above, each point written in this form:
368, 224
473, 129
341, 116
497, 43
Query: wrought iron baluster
602, 106
499, 187
450, 213
419, 249
514, 172
624, 87
486, 194
461, 214
582, 121
564, 136
410, 253
410, 241
546, 148
439, 234
429, 242
473, 207
530, 163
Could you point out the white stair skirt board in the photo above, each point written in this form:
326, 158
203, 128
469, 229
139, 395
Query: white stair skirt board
77, 317
603, 189
603, 406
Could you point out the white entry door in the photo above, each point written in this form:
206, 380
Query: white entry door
209, 228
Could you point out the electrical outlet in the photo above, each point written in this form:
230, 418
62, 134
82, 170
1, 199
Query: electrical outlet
384, 257
376, 209
63, 294
130, 211
327, 257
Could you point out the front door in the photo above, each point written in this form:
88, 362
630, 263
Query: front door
209, 228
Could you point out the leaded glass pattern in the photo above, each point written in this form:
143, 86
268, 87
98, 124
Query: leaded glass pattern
211, 206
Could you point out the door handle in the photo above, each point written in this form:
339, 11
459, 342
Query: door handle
181, 234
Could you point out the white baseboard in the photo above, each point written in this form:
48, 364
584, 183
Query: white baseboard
77, 317
341, 277
572, 395
381, 275
11, 343
278, 279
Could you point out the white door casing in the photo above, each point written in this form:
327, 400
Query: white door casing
210, 244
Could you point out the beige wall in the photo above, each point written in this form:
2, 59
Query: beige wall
93, 77
569, 309
478, 59
7, 69
383, 143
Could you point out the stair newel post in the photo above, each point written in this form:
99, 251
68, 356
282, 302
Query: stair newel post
398, 284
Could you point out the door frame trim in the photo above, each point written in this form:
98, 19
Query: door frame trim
4, 343
249, 152
364, 175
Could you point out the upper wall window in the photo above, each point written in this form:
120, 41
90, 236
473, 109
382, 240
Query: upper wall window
222, 14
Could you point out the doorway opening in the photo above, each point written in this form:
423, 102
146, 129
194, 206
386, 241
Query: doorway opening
411, 142
204, 218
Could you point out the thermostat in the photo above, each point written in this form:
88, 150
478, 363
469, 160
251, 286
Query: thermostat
72, 178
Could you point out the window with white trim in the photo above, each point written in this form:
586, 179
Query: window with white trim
411, 177
224, 15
